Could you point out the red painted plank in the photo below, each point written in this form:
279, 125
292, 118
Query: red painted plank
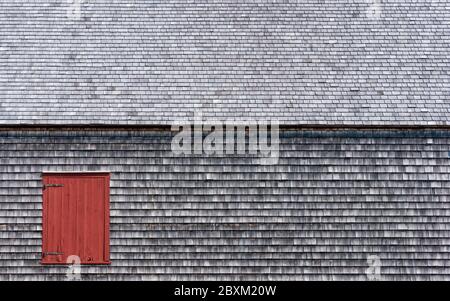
76, 218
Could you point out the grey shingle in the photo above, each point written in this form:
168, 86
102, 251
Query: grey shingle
151, 62
335, 198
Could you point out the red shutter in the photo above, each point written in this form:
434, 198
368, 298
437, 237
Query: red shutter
75, 218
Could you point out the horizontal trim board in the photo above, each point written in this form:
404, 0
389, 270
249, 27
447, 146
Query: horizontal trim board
76, 173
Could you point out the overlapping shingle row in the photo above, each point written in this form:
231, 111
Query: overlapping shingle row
335, 199
152, 62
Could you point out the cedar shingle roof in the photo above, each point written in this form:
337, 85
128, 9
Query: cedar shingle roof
150, 62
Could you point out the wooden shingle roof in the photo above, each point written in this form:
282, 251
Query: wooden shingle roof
152, 62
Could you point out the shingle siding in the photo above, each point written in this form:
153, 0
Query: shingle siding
336, 197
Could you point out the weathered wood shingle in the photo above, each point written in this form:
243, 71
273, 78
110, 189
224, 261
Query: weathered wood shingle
155, 61
335, 198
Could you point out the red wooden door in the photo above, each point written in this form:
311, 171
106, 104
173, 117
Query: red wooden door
75, 218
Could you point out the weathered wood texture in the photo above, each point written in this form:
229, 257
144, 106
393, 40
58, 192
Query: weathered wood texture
320, 62
335, 198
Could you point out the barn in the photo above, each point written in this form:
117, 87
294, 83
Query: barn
356, 93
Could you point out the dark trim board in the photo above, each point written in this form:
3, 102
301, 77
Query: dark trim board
285, 131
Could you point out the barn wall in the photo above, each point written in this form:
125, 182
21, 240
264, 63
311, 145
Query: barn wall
335, 198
